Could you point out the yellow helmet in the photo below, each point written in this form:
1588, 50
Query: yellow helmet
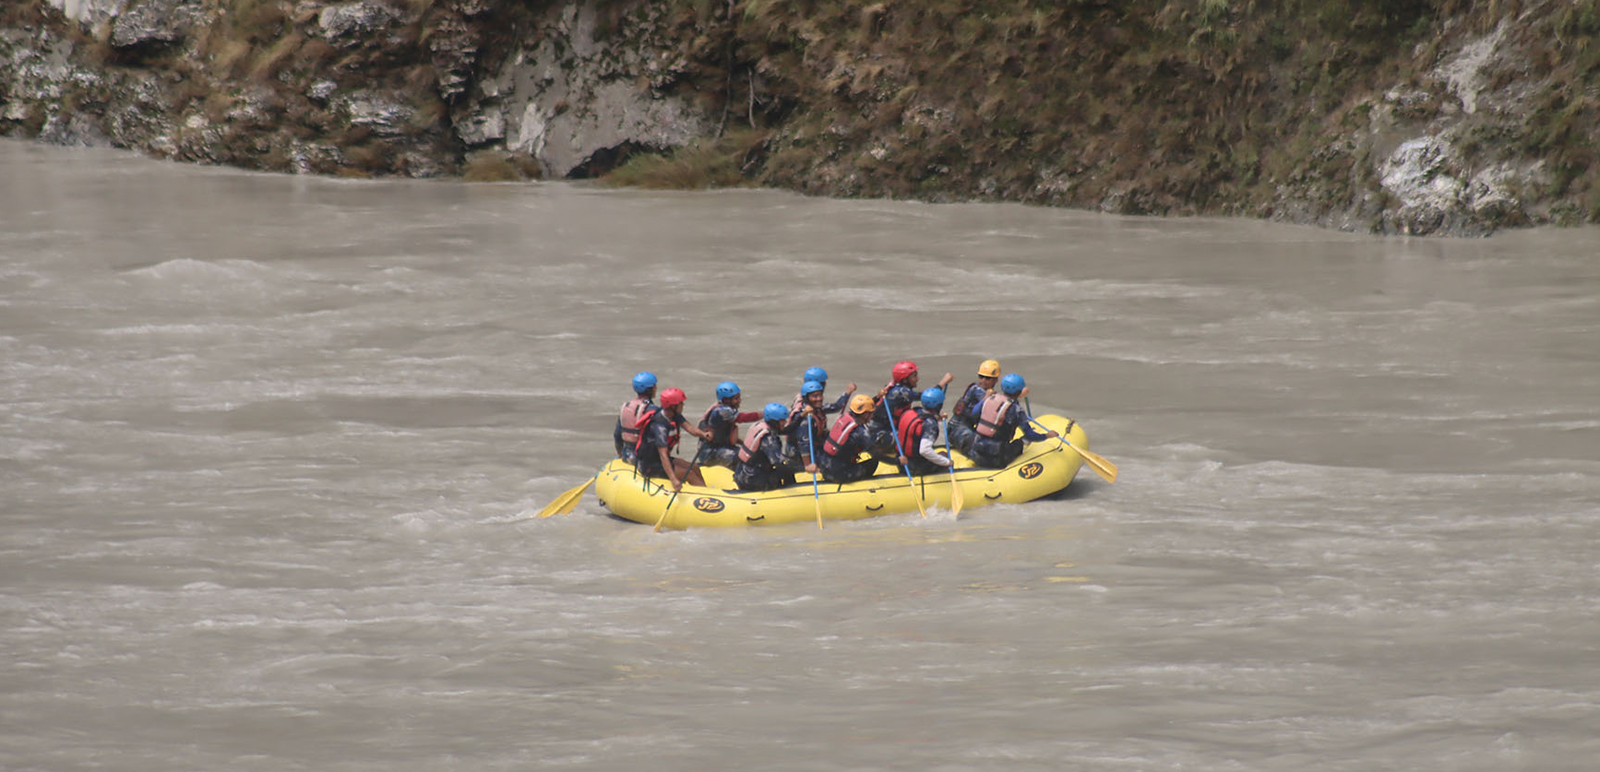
989, 369
861, 403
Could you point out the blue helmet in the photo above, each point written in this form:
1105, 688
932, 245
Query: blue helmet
775, 411
933, 398
644, 382
1012, 385
815, 374
810, 387
727, 389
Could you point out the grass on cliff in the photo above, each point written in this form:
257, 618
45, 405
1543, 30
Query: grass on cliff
711, 163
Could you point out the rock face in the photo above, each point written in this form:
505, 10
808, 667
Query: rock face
570, 98
359, 87
1455, 125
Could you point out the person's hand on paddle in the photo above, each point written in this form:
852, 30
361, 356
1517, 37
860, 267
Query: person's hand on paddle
811, 468
902, 460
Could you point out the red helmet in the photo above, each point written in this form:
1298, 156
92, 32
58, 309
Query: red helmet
672, 397
903, 370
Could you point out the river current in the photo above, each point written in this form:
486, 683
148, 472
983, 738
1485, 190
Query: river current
271, 450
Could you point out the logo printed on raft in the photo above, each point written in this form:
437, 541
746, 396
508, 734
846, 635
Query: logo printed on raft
708, 504
1030, 471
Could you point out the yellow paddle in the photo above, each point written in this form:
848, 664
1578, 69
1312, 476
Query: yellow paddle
1097, 462
566, 501
956, 499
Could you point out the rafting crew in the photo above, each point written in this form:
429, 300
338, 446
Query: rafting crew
626, 435
988, 424
998, 418
919, 430
721, 421
658, 437
763, 464
845, 455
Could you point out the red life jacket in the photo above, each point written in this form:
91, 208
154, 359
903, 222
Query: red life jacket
992, 412
839, 434
672, 439
629, 416
910, 430
752, 441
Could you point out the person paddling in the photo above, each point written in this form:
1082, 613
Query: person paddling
1000, 417
763, 465
893, 400
658, 437
841, 458
626, 435
807, 424
963, 415
919, 430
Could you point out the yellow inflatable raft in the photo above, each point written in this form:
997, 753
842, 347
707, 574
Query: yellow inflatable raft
1042, 469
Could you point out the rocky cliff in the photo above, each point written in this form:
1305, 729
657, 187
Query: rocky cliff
1441, 117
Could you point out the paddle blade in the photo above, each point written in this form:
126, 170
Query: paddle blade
566, 501
1096, 462
817, 498
956, 497
666, 511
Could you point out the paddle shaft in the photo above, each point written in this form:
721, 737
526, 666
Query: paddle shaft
955, 489
681, 483
811, 450
894, 431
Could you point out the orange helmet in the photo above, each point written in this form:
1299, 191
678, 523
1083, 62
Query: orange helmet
861, 403
989, 369
903, 370
672, 397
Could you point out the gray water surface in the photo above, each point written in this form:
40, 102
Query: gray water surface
271, 450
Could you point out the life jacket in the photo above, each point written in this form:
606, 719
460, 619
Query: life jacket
629, 417
722, 435
992, 413
911, 427
839, 434
672, 439
751, 447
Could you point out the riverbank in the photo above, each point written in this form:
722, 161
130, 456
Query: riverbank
1429, 118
